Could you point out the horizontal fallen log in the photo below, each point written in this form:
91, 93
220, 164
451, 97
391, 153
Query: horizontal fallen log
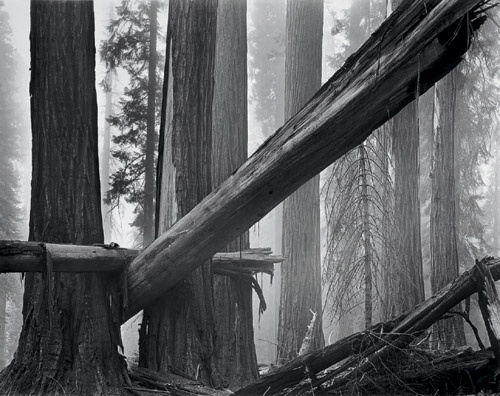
416, 46
370, 345
249, 261
22, 256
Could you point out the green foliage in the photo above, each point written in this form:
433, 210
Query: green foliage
10, 130
127, 49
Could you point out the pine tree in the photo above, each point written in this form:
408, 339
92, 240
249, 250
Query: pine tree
132, 47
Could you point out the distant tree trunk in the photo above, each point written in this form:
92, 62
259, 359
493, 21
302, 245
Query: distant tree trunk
301, 271
68, 344
408, 270
367, 236
149, 177
232, 295
448, 333
178, 330
105, 155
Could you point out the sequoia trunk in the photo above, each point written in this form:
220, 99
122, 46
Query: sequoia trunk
301, 271
69, 339
178, 329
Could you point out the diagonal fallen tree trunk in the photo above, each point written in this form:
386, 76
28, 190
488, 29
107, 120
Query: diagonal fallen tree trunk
370, 345
417, 45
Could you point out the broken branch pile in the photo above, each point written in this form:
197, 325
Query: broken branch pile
360, 362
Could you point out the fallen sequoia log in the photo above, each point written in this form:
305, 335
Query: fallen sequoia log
360, 353
22, 256
416, 46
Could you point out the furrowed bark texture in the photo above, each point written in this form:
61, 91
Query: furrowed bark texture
178, 328
69, 339
448, 333
301, 270
373, 85
237, 360
408, 272
149, 177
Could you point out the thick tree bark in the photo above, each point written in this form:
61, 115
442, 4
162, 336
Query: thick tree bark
178, 328
301, 272
69, 339
373, 85
407, 271
149, 177
444, 255
237, 360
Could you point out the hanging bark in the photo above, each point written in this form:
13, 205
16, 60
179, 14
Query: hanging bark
301, 272
178, 329
69, 339
373, 85
444, 254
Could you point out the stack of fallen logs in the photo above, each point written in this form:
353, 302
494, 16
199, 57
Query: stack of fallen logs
388, 358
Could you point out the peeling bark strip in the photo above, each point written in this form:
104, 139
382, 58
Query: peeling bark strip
373, 344
411, 46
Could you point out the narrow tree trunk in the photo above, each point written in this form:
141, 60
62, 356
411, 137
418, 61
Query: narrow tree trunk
178, 329
237, 360
301, 271
149, 177
69, 340
367, 237
105, 153
444, 256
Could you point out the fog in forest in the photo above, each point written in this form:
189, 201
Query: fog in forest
378, 237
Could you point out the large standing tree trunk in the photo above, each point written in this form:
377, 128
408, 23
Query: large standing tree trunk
444, 256
237, 360
408, 272
178, 329
69, 340
149, 177
301, 271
